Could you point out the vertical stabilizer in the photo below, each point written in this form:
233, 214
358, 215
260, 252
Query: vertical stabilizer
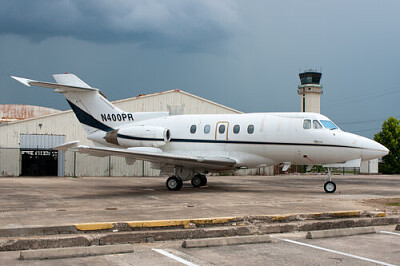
93, 110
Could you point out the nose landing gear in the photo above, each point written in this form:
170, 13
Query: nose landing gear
329, 186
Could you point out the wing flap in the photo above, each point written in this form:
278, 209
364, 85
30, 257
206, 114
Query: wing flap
66, 146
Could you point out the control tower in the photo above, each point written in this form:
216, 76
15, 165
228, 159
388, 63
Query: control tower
310, 91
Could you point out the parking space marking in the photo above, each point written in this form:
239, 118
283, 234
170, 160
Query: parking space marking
387, 232
172, 256
338, 252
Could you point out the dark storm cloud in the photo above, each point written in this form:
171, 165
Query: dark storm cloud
188, 24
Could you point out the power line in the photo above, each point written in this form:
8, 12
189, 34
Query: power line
366, 121
360, 98
368, 94
365, 130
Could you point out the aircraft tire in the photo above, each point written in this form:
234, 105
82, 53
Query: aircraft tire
203, 180
174, 183
330, 187
197, 180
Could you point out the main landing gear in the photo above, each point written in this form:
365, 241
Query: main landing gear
175, 183
329, 186
199, 180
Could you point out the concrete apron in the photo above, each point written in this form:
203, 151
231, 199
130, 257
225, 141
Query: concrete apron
149, 231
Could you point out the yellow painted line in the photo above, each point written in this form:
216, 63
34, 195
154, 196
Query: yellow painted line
221, 220
160, 223
314, 215
91, 227
279, 218
345, 213
381, 214
184, 222
218, 220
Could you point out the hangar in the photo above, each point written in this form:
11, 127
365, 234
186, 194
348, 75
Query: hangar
25, 146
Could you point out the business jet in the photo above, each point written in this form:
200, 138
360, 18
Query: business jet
187, 147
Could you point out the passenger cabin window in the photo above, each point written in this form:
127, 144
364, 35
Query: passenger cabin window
250, 129
307, 124
207, 129
221, 129
316, 124
236, 129
193, 129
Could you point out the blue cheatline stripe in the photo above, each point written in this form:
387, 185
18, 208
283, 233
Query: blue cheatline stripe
87, 119
212, 141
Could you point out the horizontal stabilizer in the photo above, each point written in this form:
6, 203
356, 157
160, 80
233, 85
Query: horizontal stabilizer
66, 146
351, 163
60, 88
70, 80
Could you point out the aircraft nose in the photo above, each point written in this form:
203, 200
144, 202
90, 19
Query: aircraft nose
373, 149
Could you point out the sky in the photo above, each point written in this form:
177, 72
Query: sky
245, 54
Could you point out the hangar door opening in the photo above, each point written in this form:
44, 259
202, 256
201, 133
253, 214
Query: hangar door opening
37, 156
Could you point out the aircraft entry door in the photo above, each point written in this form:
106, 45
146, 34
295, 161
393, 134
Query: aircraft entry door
221, 130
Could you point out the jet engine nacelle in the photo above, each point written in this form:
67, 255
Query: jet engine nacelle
139, 136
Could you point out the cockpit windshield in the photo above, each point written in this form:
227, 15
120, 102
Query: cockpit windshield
328, 124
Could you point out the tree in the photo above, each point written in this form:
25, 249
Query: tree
390, 138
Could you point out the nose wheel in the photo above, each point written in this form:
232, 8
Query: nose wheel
329, 186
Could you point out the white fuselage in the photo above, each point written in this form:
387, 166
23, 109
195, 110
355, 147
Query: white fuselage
276, 138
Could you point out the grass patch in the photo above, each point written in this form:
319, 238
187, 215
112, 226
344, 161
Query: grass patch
396, 204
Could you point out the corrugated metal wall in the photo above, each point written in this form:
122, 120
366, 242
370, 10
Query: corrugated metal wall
40, 142
9, 161
65, 123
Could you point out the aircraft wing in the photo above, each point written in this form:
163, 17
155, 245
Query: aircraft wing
156, 155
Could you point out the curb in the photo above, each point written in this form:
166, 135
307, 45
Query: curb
225, 241
112, 238
340, 232
179, 223
59, 253
326, 225
44, 242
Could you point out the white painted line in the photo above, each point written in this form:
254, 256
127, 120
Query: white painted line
387, 232
172, 256
338, 252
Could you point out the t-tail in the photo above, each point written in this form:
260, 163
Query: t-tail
89, 104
